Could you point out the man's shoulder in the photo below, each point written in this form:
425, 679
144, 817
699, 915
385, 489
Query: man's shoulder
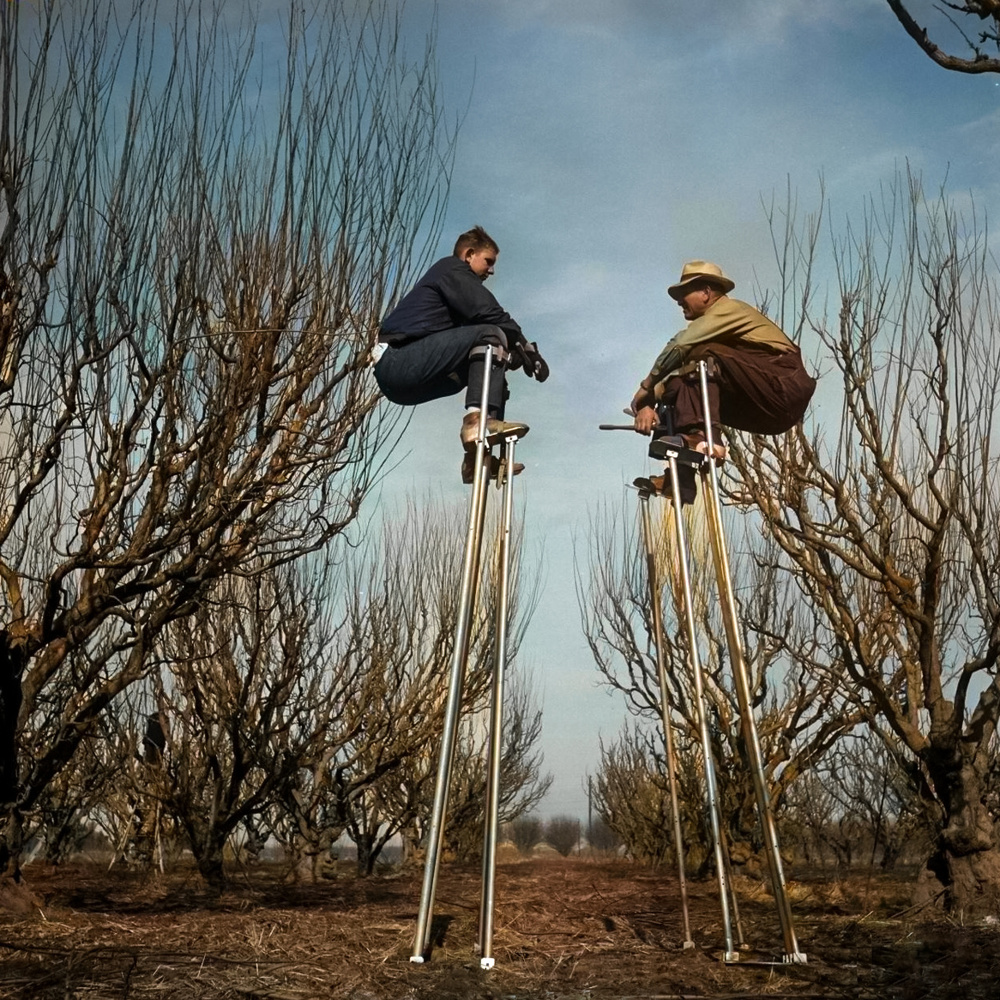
736, 310
725, 304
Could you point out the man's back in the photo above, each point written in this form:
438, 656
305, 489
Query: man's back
449, 295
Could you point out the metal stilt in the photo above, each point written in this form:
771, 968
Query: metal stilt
740, 937
708, 760
460, 654
710, 490
661, 673
490, 833
671, 455
710, 484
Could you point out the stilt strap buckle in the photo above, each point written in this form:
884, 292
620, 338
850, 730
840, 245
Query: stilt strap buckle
692, 368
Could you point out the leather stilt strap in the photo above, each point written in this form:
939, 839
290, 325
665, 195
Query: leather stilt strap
691, 368
500, 354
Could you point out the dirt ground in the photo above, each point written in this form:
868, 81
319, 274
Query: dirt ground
566, 929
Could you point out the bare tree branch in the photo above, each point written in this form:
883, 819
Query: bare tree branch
980, 62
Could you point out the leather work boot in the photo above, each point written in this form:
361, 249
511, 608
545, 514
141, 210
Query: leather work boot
496, 430
660, 485
699, 443
496, 467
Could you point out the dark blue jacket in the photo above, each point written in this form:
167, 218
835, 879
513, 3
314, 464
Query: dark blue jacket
449, 295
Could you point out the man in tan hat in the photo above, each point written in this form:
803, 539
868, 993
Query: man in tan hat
757, 381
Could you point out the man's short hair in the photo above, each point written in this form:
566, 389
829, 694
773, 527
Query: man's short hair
475, 239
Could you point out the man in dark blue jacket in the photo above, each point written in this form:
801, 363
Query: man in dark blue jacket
430, 336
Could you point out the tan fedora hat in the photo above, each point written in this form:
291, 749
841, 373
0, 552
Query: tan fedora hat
700, 270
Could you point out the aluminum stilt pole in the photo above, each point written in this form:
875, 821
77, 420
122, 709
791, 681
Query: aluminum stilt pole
661, 674
694, 659
740, 936
460, 655
710, 479
486, 959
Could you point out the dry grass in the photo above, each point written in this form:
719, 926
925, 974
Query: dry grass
565, 929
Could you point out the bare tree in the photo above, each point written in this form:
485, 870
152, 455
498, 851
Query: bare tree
247, 691
522, 785
63, 816
401, 611
525, 832
860, 804
887, 514
193, 267
799, 712
977, 37
563, 834
632, 797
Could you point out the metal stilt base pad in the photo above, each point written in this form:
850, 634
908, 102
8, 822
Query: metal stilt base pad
417, 959
793, 958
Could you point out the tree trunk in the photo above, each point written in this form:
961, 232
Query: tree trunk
963, 873
367, 856
12, 663
209, 857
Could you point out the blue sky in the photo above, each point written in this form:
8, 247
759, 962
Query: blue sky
604, 145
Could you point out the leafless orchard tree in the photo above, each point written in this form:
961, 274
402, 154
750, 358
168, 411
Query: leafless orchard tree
110, 790
632, 796
525, 833
370, 771
563, 834
522, 784
799, 712
858, 804
887, 513
401, 612
249, 688
976, 22
63, 816
199, 230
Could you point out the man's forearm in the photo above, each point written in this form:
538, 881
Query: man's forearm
670, 358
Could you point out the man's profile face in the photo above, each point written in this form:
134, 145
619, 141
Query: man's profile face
482, 262
695, 301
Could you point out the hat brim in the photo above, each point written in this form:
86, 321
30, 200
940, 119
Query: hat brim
676, 291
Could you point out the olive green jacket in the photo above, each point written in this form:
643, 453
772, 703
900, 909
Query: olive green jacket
726, 319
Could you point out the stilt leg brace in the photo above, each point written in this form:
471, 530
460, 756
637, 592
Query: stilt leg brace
500, 354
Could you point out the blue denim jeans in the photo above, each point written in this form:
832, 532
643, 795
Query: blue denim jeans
439, 365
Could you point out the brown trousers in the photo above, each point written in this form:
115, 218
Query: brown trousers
754, 389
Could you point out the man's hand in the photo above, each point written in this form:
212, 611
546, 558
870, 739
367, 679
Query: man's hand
527, 356
645, 420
